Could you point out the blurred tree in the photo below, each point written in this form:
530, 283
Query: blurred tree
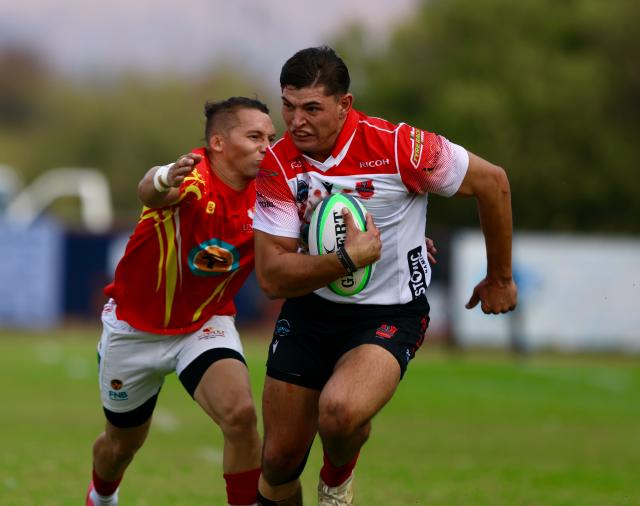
550, 90
121, 127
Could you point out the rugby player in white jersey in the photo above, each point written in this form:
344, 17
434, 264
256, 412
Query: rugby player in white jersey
335, 361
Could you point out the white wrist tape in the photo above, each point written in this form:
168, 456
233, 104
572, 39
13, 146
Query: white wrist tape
160, 179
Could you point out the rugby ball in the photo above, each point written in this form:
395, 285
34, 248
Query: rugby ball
327, 231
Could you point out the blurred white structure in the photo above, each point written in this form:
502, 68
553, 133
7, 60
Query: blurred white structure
10, 185
89, 185
575, 293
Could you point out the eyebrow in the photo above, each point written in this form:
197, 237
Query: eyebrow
304, 104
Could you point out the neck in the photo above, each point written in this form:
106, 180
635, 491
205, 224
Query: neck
227, 176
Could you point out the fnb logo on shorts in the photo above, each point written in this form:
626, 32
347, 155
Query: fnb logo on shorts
117, 394
417, 272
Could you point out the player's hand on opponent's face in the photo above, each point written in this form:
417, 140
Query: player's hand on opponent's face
363, 247
494, 296
182, 168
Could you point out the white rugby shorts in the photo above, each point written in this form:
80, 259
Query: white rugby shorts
133, 364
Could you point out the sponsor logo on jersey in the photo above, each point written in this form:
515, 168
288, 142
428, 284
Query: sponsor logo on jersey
365, 189
386, 331
374, 163
417, 142
213, 257
116, 384
417, 272
211, 207
302, 193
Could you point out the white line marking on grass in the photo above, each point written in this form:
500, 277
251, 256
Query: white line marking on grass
165, 420
210, 454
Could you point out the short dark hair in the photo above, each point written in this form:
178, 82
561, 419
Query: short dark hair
221, 113
316, 66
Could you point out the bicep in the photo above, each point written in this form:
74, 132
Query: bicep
480, 174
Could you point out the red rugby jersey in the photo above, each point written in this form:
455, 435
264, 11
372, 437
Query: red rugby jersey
390, 169
185, 263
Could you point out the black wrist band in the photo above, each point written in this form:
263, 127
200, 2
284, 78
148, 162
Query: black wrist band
345, 260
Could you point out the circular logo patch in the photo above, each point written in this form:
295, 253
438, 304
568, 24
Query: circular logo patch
213, 257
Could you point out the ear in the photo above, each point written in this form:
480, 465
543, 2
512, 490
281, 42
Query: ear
216, 143
345, 102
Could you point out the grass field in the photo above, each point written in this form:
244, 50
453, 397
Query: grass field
463, 429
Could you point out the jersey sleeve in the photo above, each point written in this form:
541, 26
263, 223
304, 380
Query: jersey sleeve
276, 209
429, 163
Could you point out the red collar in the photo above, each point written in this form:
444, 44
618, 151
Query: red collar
350, 125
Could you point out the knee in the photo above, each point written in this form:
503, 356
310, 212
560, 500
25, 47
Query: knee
282, 465
337, 419
124, 450
239, 418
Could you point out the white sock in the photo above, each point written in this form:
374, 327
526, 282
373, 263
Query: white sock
101, 500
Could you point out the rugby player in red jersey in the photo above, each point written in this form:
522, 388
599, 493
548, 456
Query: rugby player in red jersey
335, 361
171, 304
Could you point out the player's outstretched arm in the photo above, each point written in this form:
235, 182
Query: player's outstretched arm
159, 186
488, 183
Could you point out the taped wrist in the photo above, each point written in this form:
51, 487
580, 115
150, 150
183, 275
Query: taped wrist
160, 179
345, 260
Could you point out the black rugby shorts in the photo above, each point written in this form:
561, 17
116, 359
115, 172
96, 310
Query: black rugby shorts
312, 333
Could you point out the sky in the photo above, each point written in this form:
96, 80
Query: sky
84, 37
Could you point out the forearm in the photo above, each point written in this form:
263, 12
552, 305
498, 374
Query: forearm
494, 208
154, 195
295, 274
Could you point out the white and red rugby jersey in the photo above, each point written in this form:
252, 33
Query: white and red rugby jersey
391, 169
185, 262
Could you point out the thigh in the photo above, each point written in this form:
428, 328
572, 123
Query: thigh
303, 350
364, 380
131, 368
224, 389
126, 438
216, 341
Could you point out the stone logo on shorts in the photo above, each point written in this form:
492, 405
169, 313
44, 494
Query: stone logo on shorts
417, 272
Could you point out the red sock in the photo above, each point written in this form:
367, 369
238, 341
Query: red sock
105, 488
334, 476
242, 488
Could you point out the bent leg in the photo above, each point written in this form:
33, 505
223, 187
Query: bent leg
363, 381
290, 415
115, 448
224, 392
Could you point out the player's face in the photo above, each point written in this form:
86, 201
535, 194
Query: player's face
314, 119
246, 143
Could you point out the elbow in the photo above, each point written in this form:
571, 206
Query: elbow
501, 181
269, 287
